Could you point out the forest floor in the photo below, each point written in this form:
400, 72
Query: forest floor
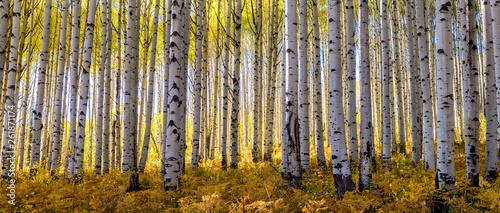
252, 188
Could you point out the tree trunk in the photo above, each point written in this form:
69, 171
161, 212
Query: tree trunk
304, 88
386, 84
166, 53
318, 104
107, 94
366, 127
8, 146
44, 52
236, 86
352, 127
340, 160
445, 169
225, 86
491, 101
149, 111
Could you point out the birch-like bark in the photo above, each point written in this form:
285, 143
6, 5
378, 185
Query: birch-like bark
490, 164
428, 125
166, 55
56, 126
399, 77
471, 86
386, 84
294, 173
304, 87
149, 110
366, 126
4, 17
318, 103
236, 86
340, 160
100, 98
106, 133
44, 53
75, 56
84, 93
257, 86
225, 86
174, 124
197, 86
271, 84
10, 114
445, 168
352, 127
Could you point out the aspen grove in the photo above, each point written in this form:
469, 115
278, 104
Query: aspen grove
250, 105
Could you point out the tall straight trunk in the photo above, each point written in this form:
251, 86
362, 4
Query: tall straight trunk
118, 121
175, 107
491, 92
107, 94
257, 86
44, 52
271, 67
366, 126
340, 160
236, 86
197, 87
386, 84
352, 128
304, 88
471, 85
56, 126
100, 98
84, 93
415, 94
149, 110
318, 103
8, 146
292, 110
166, 53
428, 125
445, 169
26, 89
399, 79
225, 86
75, 55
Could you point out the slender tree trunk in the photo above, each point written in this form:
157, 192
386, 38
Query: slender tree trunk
225, 86
4, 17
304, 88
292, 102
56, 126
236, 86
386, 96
366, 126
166, 53
491, 110
318, 104
175, 106
340, 160
352, 128
107, 94
10, 114
197, 86
44, 52
445, 169
149, 111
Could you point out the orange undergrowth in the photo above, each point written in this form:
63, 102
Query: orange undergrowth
252, 188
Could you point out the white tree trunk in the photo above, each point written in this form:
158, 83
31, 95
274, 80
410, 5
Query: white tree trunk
304, 87
149, 110
225, 86
10, 114
352, 128
491, 94
4, 17
166, 53
106, 133
366, 125
257, 86
445, 169
236, 86
84, 92
175, 109
471, 86
340, 160
292, 109
386, 84
56, 126
44, 52
197, 86
318, 103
